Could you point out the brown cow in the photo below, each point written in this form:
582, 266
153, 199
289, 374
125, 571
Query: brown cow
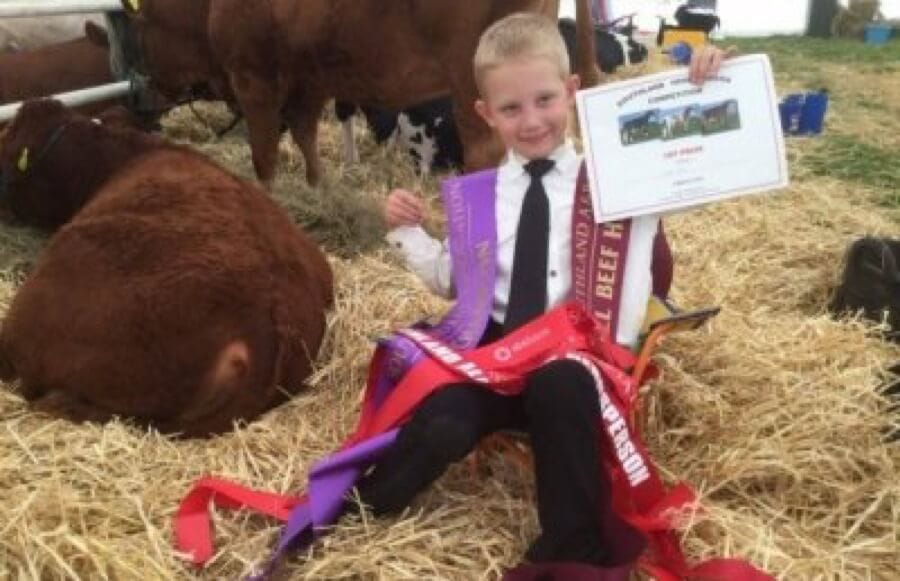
286, 59
179, 295
56, 68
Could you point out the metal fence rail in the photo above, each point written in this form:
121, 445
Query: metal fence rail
21, 9
128, 84
76, 98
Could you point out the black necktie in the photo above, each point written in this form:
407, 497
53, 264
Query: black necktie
528, 289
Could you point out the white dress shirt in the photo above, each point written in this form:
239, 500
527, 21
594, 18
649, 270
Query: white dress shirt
430, 258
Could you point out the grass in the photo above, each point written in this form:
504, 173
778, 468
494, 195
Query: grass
850, 159
792, 51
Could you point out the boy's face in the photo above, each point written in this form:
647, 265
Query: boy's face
527, 103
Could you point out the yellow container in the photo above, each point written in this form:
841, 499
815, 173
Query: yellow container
672, 35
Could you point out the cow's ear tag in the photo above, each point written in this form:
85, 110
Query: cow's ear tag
22, 164
135, 5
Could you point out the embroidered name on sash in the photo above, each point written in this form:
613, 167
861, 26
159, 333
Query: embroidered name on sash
620, 436
630, 458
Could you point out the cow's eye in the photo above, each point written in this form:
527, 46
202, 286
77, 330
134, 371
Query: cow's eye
22, 163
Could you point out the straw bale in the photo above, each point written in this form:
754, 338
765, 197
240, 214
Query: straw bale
770, 411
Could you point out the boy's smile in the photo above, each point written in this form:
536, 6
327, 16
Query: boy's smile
527, 102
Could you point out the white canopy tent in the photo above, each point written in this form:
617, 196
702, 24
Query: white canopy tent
739, 17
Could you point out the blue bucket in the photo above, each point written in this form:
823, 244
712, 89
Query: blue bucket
790, 108
878, 33
803, 113
812, 115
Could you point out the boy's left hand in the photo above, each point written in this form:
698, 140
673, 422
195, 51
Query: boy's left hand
705, 63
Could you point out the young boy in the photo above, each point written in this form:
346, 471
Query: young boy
527, 94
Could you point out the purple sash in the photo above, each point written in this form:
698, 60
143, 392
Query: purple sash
469, 201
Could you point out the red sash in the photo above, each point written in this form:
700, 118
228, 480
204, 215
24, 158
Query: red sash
639, 495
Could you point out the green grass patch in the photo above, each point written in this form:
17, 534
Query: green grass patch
870, 105
792, 54
849, 159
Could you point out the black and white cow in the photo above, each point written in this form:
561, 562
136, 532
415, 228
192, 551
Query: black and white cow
696, 17
613, 49
427, 131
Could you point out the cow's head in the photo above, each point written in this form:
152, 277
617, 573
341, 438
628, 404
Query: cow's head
173, 46
871, 282
52, 160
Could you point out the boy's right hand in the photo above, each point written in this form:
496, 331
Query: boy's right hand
403, 208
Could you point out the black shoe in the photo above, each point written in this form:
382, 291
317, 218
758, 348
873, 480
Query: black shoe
560, 571
582, 547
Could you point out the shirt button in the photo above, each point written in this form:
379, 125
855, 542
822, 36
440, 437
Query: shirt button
553, 273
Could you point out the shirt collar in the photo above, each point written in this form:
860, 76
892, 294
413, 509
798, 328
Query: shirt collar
565, 157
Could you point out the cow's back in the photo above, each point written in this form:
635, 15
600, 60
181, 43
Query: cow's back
66, 66
391, 54
133, 302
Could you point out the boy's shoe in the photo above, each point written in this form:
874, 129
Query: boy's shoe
563, 571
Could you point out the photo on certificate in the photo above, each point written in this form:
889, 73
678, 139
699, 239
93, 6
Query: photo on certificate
659, 143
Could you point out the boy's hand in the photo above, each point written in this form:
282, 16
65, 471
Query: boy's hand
403, 208
705, 63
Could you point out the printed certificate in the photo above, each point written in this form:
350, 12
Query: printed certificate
658, 143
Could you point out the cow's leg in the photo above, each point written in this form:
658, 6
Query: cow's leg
551, 9
348, 142
345, 112
586, 49
261, 103
302, 115
65, 405
7, 369
481, 147
31, 391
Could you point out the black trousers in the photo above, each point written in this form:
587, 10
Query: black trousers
557, 409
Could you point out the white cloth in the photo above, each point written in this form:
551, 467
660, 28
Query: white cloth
430, 259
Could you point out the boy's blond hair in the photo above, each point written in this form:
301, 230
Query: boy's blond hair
519, 35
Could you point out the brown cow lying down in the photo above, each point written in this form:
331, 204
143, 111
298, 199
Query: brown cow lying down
56, 68
284, 60
179, 295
